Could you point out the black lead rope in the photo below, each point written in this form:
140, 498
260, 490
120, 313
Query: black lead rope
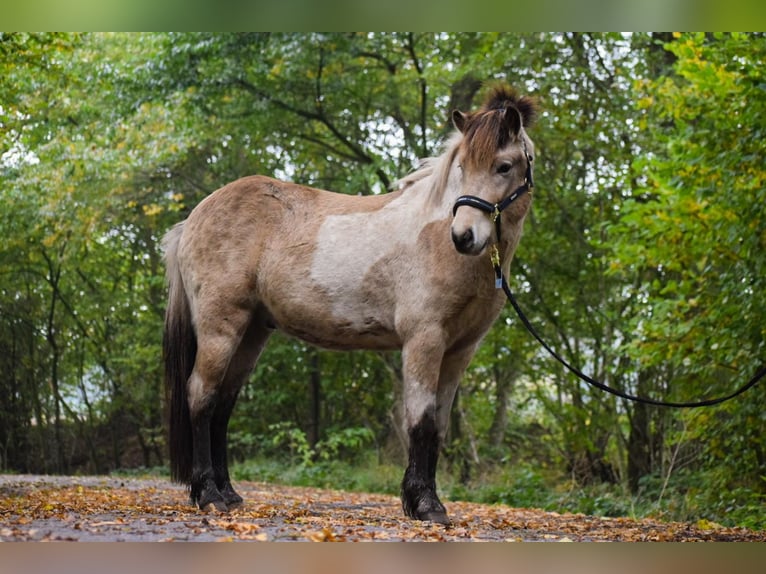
704, 403
494, 210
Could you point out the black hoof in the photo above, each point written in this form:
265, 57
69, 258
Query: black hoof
437, 517
423, 504
230, 497
208, 497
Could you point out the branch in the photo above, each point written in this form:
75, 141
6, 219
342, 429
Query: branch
357, 152
320, 142
387, 64
423, 94
549, 315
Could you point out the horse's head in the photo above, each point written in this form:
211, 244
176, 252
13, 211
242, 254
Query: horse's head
495, 157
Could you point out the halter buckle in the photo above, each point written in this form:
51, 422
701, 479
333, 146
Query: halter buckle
494, 256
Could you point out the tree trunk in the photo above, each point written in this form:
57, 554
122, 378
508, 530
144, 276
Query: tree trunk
315, 382
503, 385
397, 441
639, 448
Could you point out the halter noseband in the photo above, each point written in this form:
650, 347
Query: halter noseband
495, 209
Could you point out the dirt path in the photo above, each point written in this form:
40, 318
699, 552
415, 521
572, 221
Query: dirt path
94, 508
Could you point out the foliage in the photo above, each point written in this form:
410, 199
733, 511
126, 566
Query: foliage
642, 261
696, 229
301, 452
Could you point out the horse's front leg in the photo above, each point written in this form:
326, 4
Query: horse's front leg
453, 367
421, 357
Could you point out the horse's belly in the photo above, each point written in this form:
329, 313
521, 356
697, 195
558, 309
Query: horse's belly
349, 314
342, 334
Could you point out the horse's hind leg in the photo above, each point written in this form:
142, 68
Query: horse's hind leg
219, 334
218, 449
203, 490
239, 369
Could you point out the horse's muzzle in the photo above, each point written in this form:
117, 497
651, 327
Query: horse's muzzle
466, 243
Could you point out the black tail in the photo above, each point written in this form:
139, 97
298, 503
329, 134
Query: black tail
179, 347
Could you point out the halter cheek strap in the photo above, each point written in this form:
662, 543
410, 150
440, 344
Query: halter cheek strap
494, 210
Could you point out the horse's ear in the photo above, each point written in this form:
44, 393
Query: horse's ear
528, 109
459, 119
513, 121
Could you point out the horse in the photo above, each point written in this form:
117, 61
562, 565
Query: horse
404, 270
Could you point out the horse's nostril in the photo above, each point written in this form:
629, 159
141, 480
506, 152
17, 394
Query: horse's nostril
463, 242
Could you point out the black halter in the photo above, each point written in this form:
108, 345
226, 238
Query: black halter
495, 209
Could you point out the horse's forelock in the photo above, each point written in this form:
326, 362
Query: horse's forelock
484, 134
486, 130
503, 96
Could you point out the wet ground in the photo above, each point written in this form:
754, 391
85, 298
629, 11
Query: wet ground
96, 508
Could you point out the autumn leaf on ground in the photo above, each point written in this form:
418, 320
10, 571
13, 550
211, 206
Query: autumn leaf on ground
63, 508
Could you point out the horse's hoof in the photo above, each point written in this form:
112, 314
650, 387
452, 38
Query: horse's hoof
212, 499
231, 498
213, 506
437, 517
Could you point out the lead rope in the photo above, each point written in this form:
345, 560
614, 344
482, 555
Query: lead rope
494, 211
679, 405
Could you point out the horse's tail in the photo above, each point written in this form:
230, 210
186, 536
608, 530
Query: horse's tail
179, 347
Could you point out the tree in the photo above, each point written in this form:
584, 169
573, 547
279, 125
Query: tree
696, 226
634, 263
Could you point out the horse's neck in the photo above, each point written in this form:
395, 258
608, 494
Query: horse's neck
442, 187
509, 241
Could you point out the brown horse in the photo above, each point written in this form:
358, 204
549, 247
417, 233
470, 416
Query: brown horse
385, 272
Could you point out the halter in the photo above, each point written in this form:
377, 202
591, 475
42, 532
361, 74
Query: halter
495, 209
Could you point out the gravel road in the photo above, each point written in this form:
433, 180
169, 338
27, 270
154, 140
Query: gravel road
101, 508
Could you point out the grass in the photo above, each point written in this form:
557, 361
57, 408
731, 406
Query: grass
523, 486
338, 475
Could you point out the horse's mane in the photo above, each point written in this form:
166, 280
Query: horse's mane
436, 167
483, 133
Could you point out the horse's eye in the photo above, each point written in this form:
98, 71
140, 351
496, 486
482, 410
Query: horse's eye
504, 168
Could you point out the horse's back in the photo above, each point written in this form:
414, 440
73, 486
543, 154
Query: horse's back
256, 197
249, 215
247, 197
